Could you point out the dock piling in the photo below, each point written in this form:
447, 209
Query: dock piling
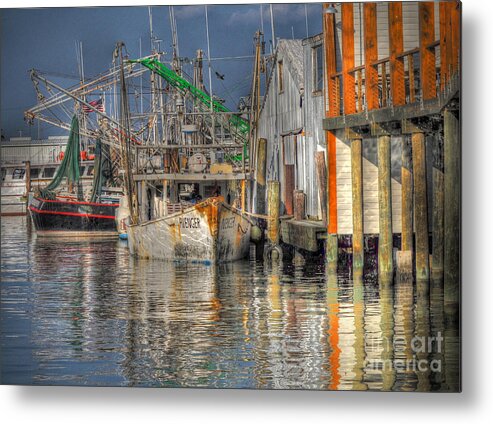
420, 206
385, 263
357, 195
261, 173
299, 205
438, 212
322, 184
272, 250
452, 203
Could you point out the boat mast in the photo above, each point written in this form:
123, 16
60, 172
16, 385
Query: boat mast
125, 136
213, 129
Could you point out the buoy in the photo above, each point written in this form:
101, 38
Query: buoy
256, 233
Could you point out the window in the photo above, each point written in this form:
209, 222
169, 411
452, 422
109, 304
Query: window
49, 172
318, 68
90, 171
18, 173
280, 76
4, 174
35, 173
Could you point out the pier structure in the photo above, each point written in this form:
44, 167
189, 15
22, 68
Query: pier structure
393, 97
375, 99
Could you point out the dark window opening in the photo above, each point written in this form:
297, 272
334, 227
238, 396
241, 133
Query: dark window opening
318, 68
49, 172
18, 174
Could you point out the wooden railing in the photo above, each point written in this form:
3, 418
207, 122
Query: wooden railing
412, 80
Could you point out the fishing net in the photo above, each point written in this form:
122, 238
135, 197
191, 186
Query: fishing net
102, 169
69, 167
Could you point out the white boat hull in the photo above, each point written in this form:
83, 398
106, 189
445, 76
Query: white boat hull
208, 232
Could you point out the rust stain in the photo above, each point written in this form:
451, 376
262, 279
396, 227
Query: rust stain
210, 209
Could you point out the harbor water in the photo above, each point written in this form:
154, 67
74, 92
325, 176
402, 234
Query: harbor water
84, 312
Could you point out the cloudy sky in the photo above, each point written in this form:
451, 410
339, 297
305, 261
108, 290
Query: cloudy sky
45, 39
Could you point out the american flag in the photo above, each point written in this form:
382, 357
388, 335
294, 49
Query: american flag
98, 104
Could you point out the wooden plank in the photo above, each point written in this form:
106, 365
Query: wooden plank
331, 109
371, 55
396, 46
444, 43
301, 236
348, 81
331, 96
384, 84
427, 56
412, 88
455, 21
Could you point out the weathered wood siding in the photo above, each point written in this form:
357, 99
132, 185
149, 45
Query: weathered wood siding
282, 110
314, 112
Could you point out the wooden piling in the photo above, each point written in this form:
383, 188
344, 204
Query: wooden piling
385, 263
261, 174
299, 205
438, 212
331, 252
273, 202
322, 183
357, 191
407, 195
452, 202
420, 206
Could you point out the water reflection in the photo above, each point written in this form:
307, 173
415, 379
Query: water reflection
82, 312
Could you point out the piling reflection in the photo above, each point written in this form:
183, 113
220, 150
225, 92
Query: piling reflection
83, 312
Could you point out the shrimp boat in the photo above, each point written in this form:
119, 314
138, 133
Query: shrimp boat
58, 212
190, 188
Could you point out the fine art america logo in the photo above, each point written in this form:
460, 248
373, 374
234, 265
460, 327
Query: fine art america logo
421, 348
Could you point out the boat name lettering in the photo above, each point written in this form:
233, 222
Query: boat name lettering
189, 222
228, 223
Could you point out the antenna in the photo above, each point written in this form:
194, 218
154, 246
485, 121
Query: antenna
174, 31
149, 8
306, 21
272, 28
261, 18
208, 53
